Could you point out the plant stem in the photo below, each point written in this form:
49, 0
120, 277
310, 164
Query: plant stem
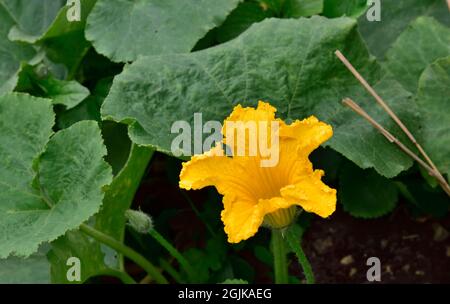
296, 246
174, 252
126, 251
279, 257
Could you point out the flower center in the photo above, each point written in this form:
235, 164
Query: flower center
281, 218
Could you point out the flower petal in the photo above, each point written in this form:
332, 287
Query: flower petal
310, 133
312, 194
213, 168
244, 128
241, 218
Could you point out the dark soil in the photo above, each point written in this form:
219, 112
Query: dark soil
410, 250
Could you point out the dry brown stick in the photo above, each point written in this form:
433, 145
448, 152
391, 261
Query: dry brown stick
397, 120
351, 104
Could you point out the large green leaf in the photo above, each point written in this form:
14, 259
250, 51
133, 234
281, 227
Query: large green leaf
433, 100
338, 8
44, 195
366, 194
396, 15
96, 258
32, 17
122, 29
422, 43
11, 53
289, 63
32, 270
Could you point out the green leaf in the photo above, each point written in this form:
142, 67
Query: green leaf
44, 195
366, 194
88, 109
32, 270
61, 25
287, 62
338, 8
302, 8
241, 19
67, 93
396, 15
96, 258
11, 53
432, 98
64, 41
32, 17
123, 30
62, 92
422, 43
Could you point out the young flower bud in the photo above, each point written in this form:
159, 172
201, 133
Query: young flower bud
139, 221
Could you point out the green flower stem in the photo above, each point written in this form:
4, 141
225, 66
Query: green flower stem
295, 245
126, 251
174, 252
280, 257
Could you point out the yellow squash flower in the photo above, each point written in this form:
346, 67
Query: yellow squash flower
253, 194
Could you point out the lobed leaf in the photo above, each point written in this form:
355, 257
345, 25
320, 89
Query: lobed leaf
289, 63
424, 41
47, 186
123, 30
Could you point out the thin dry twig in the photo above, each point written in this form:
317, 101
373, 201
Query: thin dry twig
352, 105
436, 173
